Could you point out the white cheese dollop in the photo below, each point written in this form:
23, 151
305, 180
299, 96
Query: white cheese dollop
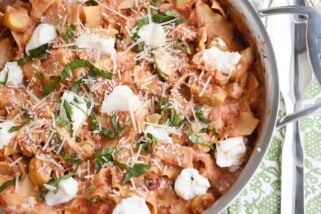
96, 44
152, 35
67, 190
133, 204
190, 183
224, 61
122, 98
162, 134
79, 110
12, 74
5, 135
230, 152
43, 34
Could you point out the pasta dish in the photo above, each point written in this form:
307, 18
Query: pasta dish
124, 106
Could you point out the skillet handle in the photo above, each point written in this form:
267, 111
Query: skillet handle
313, 16
313, 44
297, 115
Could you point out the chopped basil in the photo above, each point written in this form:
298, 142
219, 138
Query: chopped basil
94, 123
135, 171
68, 110
39, 52
4, 82
78, 63
7, 184
77, 85
71, 158
61, 121
168, 112
196, 139
17, 128
88, 192
147, 143
107, 155
69, 32
91, 3
54, 182
39, 75
104, 131
139, 24
200, 115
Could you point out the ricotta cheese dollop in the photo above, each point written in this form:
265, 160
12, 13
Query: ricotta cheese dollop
11, 74
67, 190
161, 134
133, 204
122, 98
230, 152
43, 34
152, 35
78, 107
5, 134
224, 61
96, 44
190, 183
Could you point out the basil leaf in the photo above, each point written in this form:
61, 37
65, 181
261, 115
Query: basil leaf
94, 123
104, 156
168, 112
77, 85
7, 184
68, 110
4, 82
107, 133
120, 165
146, 144
196, 139
69, 32
17, 128
61, 121
139, 24
135, 171
200, 115
78, 63
96, 72
34, 53
54, 182
88, 192
71, 158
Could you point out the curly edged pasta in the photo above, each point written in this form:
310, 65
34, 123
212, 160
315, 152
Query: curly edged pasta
110, 106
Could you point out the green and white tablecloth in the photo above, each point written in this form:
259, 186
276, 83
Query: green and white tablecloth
262, 194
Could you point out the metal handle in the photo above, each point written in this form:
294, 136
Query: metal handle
298, 115
313, 43
313, 31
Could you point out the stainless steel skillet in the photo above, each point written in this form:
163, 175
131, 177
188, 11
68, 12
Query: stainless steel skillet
242, 10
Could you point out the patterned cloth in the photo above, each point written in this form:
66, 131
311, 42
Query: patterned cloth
262, 194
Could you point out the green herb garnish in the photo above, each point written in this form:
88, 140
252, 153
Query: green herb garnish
78, 63
135, 171
39, 52
200, 115
7, 184
54, 182
77, 85
17, 128
70, 158
107, 155
168, 113
69, 32
4, 82
196, 139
